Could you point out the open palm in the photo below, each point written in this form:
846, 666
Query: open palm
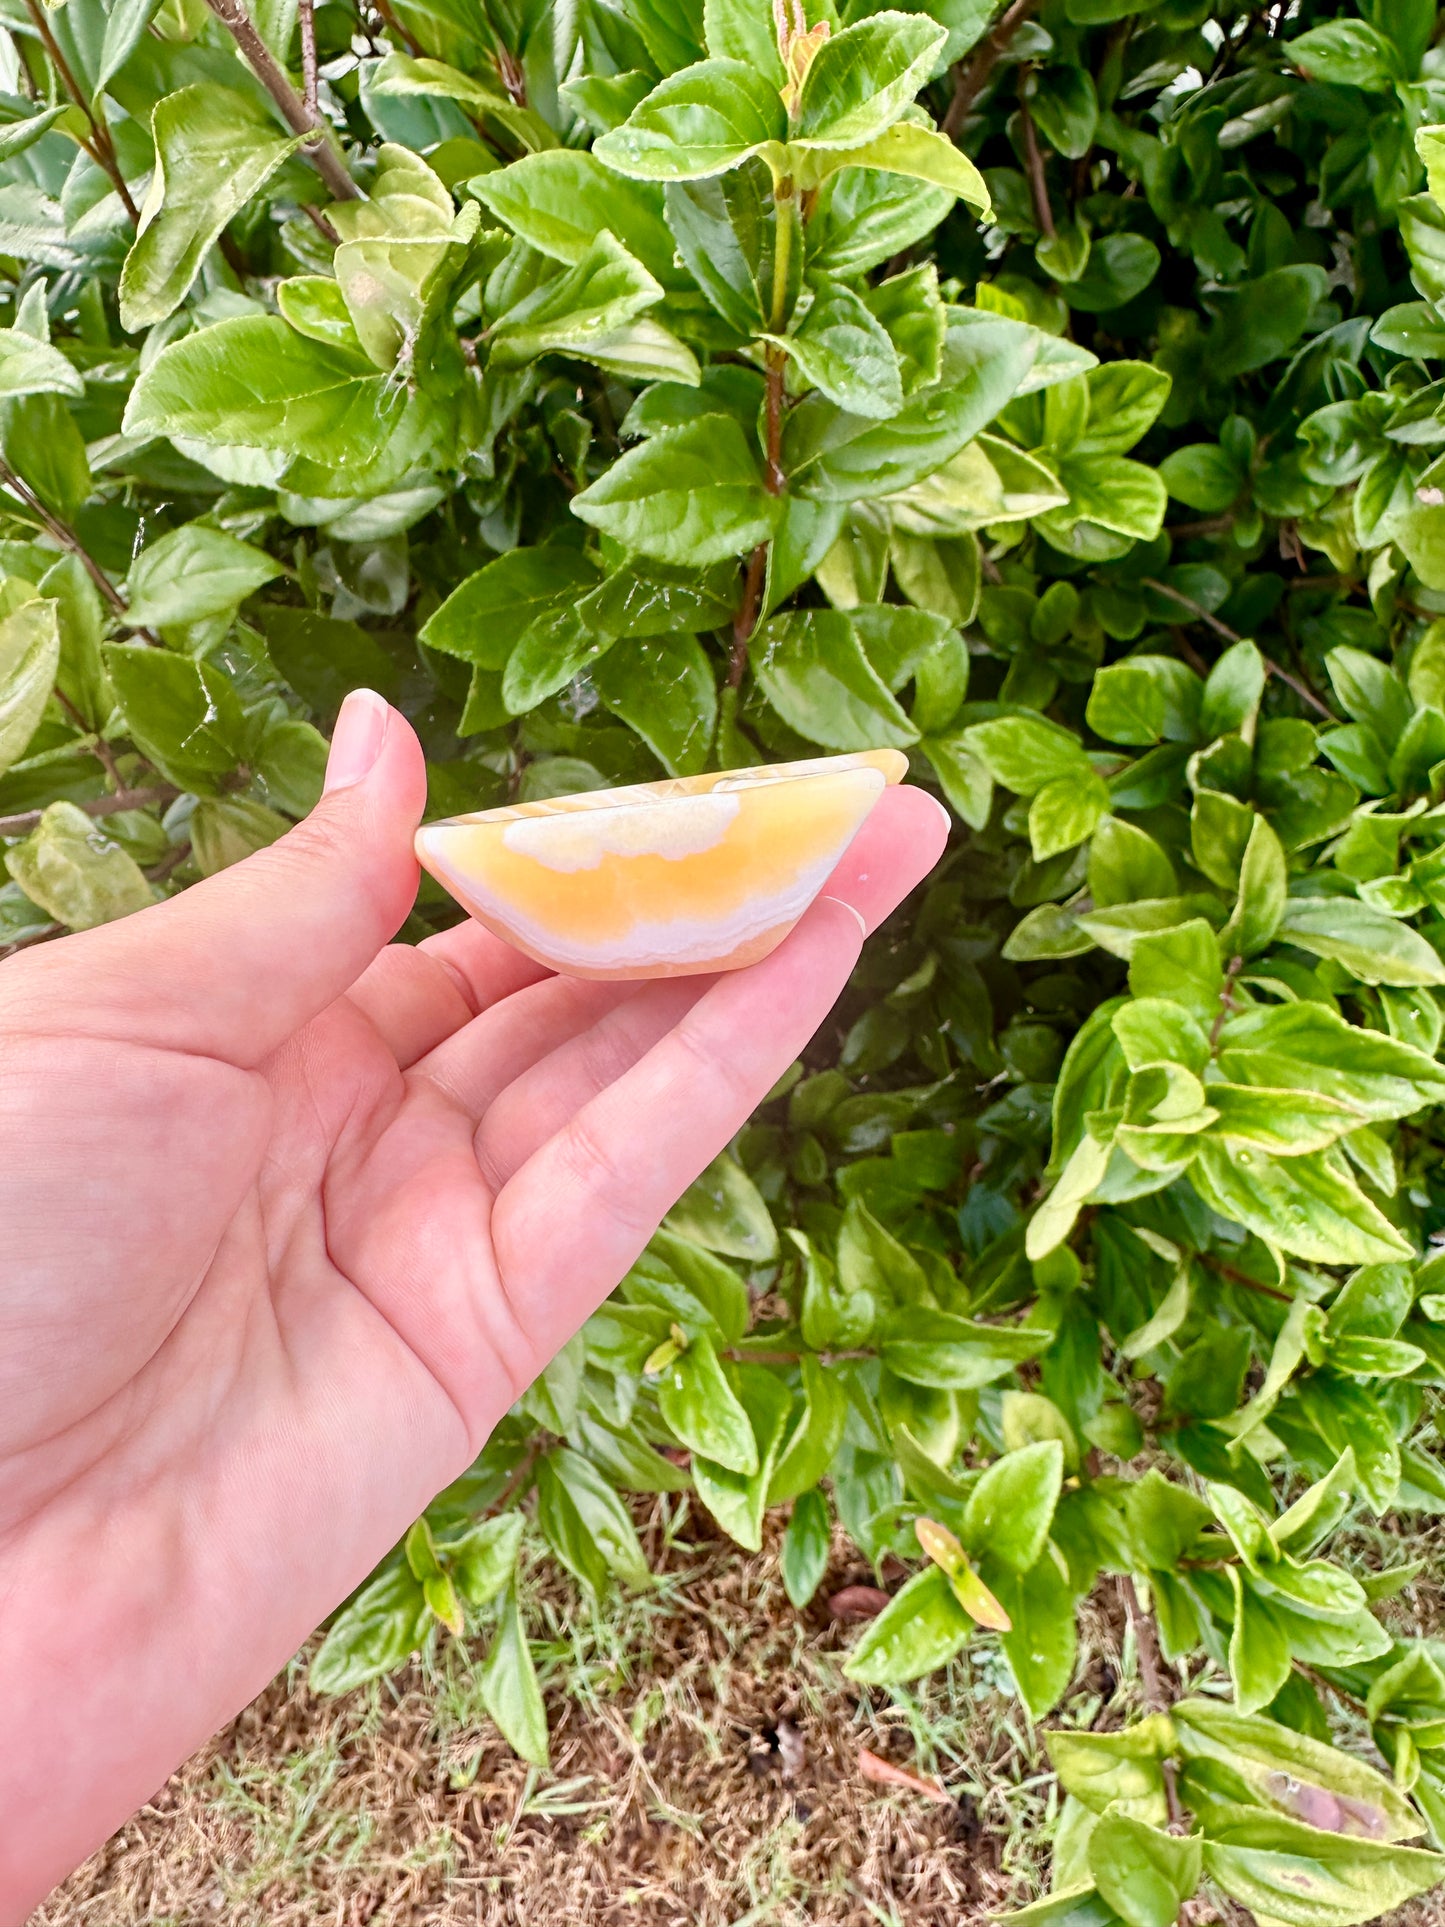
292, 1216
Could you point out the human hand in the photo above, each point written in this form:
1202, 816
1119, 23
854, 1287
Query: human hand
292, 1217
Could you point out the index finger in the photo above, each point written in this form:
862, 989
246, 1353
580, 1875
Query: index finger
572, 1219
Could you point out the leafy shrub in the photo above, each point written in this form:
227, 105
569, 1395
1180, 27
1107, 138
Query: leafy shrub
632, 388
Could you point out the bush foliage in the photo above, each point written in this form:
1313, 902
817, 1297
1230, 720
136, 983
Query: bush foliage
639, 386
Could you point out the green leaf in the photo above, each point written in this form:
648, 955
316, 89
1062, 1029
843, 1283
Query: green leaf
812, 669
738, 1499
192, 573
1309, 1046
1025, 752
1263, 319
255, 381
580, 311
863, 218
841, 349
1144, 698
702, 1408
861, 79
224, 830
561, 199
662, 687
377, 1632
483, 619
919, 1630
1263, 894
1182, 966
510, 1691
922, 154
215, 149
806, 1547
870, 1259
808, 1450
1125, 399
832, 455
1203, 477
965, 777
959, 1354
182, 715
400, 75
1066, 812
585, 1520
75, 871
1144, 1873
1011, 1508
704, 120
1259, 1647
726, 231
31, 367
690, 495
1308, 1206
1348, 52
724, 1211
482, 1559
1304, 1877
1375, 948
29, 663
1042, 1643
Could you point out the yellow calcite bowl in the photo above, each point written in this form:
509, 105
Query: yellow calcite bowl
696, 873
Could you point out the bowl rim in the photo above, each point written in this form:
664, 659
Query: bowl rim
891, 764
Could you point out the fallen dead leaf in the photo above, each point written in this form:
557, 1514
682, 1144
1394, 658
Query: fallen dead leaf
858, 1602
884, 1773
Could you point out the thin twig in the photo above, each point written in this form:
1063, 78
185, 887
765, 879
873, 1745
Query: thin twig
158, 872
1272, 668
970, 77
100, 146
99, 748
322, 226
1243, 1278
746, 619
1156, 1689
1196, 609
306, 17
322, 155
395, 28
1034, 162
24, 821
43, 935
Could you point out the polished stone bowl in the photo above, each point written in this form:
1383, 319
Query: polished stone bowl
668, 879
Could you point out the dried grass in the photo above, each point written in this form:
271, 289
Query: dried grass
677, 1796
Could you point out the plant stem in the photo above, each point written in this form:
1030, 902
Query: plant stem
298, 116
100, 146
306, 16
746, 619
24, 821
1034, 162
396, 29
1156, 1690
774, 481
68, 539
1271, 668
970, 77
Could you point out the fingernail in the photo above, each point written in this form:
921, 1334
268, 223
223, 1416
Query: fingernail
852, 909
357, 739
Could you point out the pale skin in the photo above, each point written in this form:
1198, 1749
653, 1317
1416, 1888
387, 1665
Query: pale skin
291, 1216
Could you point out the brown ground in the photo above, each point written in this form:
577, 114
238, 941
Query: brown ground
705, 1774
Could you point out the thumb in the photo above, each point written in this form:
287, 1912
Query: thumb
232, 966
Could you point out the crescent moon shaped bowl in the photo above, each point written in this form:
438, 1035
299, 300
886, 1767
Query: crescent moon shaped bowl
668, 879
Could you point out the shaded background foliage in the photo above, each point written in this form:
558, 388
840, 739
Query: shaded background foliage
628, 389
